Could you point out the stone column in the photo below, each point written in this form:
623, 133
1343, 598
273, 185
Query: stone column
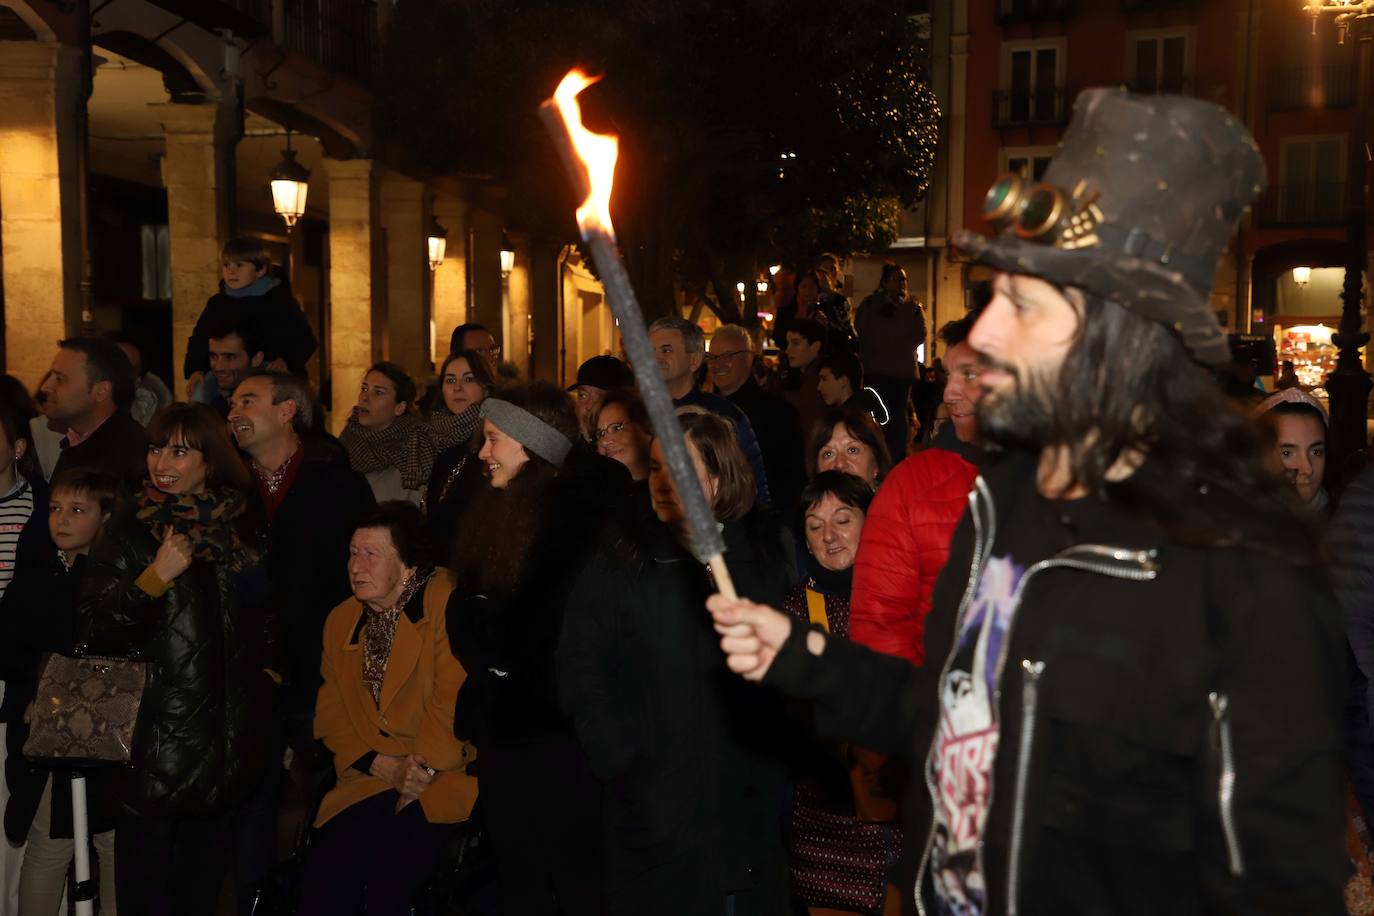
40, 95
352, 225
403, 212
195, 171
450, 303
545, 267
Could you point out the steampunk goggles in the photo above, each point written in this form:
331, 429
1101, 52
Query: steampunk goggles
1040, 212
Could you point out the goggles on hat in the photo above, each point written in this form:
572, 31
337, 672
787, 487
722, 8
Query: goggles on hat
1041, 212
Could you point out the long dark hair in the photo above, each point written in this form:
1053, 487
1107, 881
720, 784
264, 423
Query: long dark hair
1127, 385
14, 420
503, 530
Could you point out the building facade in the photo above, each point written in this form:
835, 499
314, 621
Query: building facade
1007, 72
137, 137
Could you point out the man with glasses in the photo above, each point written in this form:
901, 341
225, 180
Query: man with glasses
680, 352
908, 529
776, 422
595, 377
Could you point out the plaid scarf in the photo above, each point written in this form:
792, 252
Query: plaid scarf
452, 429
208, 520
407, 445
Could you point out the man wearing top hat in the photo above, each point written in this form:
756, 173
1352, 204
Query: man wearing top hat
1133, 678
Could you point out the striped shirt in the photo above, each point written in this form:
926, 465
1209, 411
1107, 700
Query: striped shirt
16, 507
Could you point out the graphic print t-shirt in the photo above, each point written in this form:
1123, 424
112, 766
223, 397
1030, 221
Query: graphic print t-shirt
966, 743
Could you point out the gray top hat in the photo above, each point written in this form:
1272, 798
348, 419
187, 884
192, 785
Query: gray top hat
1137, 206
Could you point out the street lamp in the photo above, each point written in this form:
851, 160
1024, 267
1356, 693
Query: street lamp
1348, 384
438, 243
507, 256
290, 183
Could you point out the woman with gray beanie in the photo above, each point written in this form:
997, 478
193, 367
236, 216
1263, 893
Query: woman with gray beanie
517, 548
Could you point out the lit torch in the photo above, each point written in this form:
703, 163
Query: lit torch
590, 161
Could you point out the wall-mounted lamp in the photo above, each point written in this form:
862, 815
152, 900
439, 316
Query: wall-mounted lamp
438, 243
507, 256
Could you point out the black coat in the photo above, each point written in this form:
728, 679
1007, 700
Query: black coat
779, 430
444, 510
200, 745
118, 446
1120, 799
691, 757
517, 634
1350, 541
39, 616
305, 550
275, 316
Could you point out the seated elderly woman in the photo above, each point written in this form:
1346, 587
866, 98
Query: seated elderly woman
385, 711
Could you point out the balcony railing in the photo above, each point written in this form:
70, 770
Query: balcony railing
1029, 108
1013, 11
1306, 88
1316, 204
339, 35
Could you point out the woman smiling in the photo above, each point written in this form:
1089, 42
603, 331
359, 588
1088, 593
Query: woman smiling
176, 582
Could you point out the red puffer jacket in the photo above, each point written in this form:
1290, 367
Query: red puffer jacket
905, 544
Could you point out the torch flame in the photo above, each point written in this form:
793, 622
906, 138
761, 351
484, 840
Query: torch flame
596, 151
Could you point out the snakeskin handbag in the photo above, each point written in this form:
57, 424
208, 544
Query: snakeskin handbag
85, 711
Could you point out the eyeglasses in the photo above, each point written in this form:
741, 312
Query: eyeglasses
610, 429
717, 357
489, 350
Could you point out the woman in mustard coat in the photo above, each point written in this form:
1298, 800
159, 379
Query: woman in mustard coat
385, 710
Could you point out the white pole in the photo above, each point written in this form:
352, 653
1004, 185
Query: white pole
81, 855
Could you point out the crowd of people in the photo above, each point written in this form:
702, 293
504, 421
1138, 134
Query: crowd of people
472, 629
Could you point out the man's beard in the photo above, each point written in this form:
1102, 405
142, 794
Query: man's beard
1020, 415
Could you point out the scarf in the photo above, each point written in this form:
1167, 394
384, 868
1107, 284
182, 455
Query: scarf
208, 520
452, 429
258, 287
380, 631
407, 445
833, 582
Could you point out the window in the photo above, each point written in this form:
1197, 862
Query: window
1027, 161
1160, 60
157, 262
1312, 188
1033, 80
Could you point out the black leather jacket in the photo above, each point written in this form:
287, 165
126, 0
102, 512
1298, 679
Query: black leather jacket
1169, 722
201, 743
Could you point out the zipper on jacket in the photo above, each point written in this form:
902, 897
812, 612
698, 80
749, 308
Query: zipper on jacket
1030, 690
1226, 781
1116, 562
980, 488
